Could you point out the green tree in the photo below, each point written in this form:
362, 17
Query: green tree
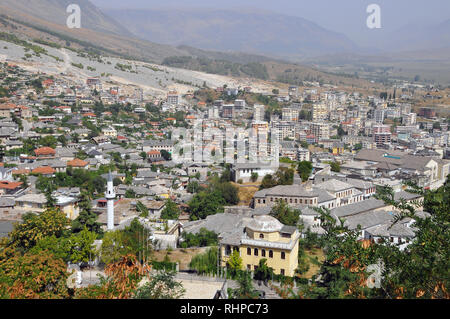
335, 167
268, 182
254, 177
234, 263
36, 227
206, 203
86, 218
203, 238
161, 286
421, 270
205, 263
304, 169
245, 289
142, 209
264, 272
129, 193
228, 191
285, 214
170, 211
81, 246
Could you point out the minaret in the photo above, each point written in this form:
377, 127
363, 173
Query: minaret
110, 196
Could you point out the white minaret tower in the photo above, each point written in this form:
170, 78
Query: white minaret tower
110, 196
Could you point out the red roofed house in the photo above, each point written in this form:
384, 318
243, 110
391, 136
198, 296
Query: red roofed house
121, 138
47, 82
6, 109
23, 171
44, 170
171, 119
89, 115
9, 188
78, 163
64, 108
154, 154
45, 152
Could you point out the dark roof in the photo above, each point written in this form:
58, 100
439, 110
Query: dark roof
5, 228
288, 229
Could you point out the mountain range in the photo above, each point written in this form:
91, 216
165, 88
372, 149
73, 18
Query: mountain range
248, 31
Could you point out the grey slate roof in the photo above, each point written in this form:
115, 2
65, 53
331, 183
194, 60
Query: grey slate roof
357, 208
6, 202
218, 223
5, 228
334, 185
288, 190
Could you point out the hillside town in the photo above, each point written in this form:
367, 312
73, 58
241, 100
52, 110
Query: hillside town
220, 161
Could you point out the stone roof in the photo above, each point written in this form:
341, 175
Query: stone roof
397, 230
6, 202
288, 190
218, 223
357, 208
265, 223
334, 185
5, 228
33, 198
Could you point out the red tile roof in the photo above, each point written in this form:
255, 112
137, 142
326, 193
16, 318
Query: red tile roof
21, 171
43, 170
77, 163
9, 185
45, 151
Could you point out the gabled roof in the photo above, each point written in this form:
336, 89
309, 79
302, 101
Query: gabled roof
43, 170
77, 163
287, 190
9, 185
334, 185
45, 151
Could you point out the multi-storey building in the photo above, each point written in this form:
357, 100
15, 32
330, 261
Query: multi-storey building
290, 114
258, 112
263, 237
320, 111
321, 131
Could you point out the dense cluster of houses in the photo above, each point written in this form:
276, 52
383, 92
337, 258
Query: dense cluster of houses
317, 125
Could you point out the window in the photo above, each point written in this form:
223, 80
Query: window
283, 255
256, 251
263, 252
270, 254
261, 236
249, 251
282, 271
249, 267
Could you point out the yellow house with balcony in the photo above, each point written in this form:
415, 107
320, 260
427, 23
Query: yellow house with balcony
263, 237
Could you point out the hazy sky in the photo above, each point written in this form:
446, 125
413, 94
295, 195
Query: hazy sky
345, 16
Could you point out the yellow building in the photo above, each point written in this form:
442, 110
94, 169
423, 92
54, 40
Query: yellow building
263, 237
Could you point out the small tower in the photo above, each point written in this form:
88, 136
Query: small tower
110, 196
